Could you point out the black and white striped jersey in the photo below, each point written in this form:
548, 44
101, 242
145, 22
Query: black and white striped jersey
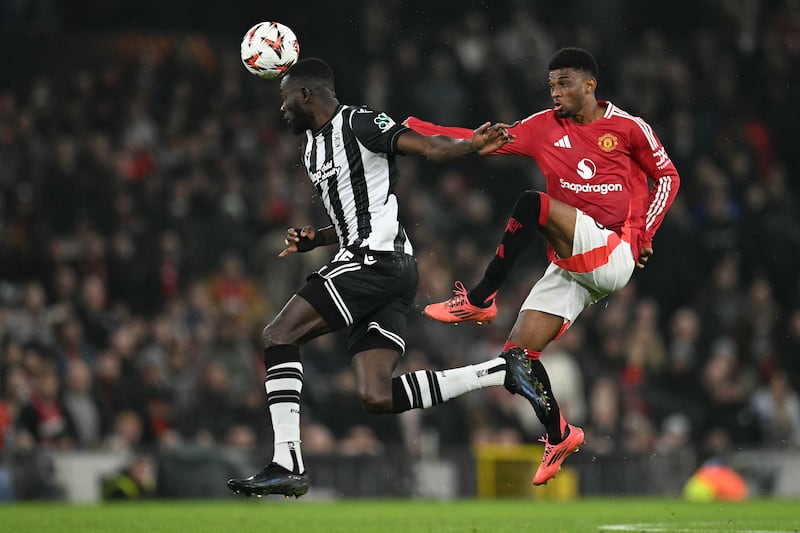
351, 161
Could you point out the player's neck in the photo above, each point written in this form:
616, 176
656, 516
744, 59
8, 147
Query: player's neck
589, 113
325, 113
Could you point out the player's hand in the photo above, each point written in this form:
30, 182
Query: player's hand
293, 238
644, 256
489, 137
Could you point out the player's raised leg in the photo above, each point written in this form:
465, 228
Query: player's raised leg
533, 211
422, 389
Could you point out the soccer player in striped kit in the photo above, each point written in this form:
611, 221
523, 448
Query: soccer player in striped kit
609, 185
370, 283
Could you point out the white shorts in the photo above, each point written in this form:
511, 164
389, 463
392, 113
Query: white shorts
601, 264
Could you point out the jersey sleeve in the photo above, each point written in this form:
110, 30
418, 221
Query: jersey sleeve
521, 133
428, 128
377, 131
651, 156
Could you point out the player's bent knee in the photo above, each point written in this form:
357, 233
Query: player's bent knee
376, 403
532, 209
272, 335
527, 202
267, 336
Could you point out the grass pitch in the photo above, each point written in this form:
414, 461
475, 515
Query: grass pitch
379, 516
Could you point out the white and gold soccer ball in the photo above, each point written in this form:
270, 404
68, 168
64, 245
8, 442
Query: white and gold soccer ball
269, 49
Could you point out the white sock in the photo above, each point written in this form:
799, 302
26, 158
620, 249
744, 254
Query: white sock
426, 388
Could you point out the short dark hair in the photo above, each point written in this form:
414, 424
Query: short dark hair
312, 70
573, 57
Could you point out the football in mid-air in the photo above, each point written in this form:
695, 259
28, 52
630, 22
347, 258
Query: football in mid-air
269, 49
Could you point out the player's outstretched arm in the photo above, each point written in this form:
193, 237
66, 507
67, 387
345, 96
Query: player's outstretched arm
307, 238
509, 131
484, 139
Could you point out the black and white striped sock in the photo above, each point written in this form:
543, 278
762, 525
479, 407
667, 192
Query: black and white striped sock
283, 384
426, 388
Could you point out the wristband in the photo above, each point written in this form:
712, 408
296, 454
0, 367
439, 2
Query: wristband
305, 244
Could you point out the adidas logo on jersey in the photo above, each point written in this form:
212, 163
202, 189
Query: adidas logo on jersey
563, 142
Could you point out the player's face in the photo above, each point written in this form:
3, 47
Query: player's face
568, 89
292, 108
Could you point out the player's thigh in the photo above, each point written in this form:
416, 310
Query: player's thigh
601, 259
376, 344
560, 228
297, 322
609, 261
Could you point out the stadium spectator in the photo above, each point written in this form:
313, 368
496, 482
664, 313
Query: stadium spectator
645, 352
234, 293
82, 406
210, 417
777, 410
720, 302
14, 393
126, 433
677, 388
360, 441
604, 425
32, 322
728, 384
70, 344
44, 416
93, 309
759, 325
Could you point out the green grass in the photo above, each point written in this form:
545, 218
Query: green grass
368, 516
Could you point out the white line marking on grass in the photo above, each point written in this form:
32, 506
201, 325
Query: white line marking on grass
689, 527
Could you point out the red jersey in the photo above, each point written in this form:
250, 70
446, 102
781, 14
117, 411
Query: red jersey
604, 168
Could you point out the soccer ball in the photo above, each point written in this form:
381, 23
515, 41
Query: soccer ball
269, 49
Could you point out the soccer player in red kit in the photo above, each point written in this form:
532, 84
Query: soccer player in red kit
609, 185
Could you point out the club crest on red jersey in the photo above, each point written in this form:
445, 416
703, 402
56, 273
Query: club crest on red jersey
607, 142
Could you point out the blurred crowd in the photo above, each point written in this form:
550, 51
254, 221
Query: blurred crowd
146, 183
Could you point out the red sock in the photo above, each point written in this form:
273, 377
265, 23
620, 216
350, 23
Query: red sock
563, 424
530, 354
